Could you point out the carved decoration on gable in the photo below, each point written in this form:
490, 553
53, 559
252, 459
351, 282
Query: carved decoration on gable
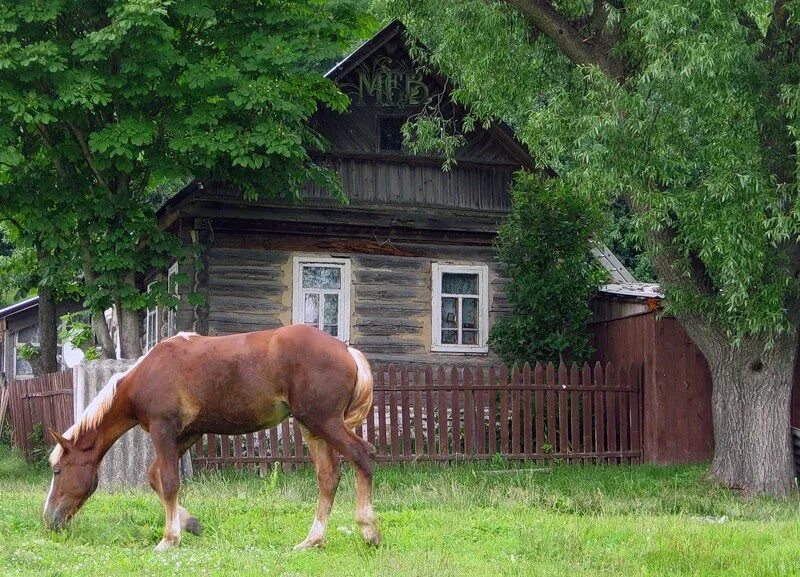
386, 83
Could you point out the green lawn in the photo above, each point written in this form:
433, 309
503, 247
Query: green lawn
438, 521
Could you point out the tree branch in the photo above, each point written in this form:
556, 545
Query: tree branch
48, 143
555, 26
87, 154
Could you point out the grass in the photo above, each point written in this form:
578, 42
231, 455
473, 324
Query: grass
439, 521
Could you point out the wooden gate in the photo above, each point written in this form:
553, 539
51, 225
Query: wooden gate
575, 414
45, 401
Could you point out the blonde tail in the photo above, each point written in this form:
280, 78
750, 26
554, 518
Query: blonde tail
361, 403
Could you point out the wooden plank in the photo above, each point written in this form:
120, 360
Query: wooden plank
381, 407
504, 445
574, 411
623, 403
237, 449
455, 411
286, 443
480, 412
419, 439
635, 411
527, 410
552, 414
469, 411
538, 379
599, 411
406, 411
394, 426
563, 416
443, 444
262, 452
587, 404
298, 438
611, 409
492, 394
430, 412
516, 417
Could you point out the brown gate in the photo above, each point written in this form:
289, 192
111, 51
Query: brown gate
575, 414
45, 401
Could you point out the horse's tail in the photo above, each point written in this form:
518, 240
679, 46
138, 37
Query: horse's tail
361, 402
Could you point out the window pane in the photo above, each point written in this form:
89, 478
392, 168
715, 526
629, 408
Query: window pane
469, 337
459, 284
449, 312
449, 337
311, 314
469, 313
323, 277
331, 315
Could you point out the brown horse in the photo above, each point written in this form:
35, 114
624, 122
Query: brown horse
189, 385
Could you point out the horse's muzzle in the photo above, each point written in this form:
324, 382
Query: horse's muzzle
54, 519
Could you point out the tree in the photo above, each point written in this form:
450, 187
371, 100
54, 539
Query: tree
688, 112
117, 95
545, 244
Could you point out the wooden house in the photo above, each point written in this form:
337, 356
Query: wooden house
406, 272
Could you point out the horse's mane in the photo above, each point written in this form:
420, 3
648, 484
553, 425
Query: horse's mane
94, 413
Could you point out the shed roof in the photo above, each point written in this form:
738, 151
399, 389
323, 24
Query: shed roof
19, 307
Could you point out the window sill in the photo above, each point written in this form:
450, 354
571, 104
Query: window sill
459, 349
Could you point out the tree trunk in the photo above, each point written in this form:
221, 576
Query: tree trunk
751, 402
48, 333
103, 335
129, 326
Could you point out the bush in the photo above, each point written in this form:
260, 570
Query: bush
545, 245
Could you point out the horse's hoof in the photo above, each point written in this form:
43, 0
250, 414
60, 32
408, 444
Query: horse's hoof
194, 526
371, 536
308, 544
166, 544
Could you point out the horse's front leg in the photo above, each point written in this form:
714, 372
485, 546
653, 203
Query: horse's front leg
166, 481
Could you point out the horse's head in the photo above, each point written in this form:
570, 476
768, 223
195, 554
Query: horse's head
74, 480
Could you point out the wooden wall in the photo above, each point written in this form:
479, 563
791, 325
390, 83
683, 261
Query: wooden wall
250, 288
677, 425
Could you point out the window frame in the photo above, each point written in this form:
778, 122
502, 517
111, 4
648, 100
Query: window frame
298, 294
172, 313
380, 117
17, 344
147, 315
437, 270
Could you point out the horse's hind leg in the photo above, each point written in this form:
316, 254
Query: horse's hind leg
326, 461
361, 455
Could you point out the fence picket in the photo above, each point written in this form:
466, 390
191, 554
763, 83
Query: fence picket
538, 379
587, 403
580, 414
527, 410
503, 421
574, 412
563, 417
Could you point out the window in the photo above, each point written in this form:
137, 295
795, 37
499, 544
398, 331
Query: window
460, 308
151, 325
321, 296
22, 367
390, 133
172, 312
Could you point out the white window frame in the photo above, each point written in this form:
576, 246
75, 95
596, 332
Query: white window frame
151, 316
172, 313
17, 344
437, 270
298, 293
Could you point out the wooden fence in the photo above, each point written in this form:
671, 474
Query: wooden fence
44, 401
577, 414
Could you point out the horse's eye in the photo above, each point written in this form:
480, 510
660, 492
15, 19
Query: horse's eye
56, 471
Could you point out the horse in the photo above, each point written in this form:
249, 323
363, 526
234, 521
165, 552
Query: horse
189, 384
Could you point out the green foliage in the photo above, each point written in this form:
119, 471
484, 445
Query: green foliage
107, 104
17, 271
545, 245
28, 351
699, 138
77, 331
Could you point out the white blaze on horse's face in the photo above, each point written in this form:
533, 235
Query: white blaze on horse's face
74, 480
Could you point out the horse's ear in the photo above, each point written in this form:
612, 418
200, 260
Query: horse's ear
65, 443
